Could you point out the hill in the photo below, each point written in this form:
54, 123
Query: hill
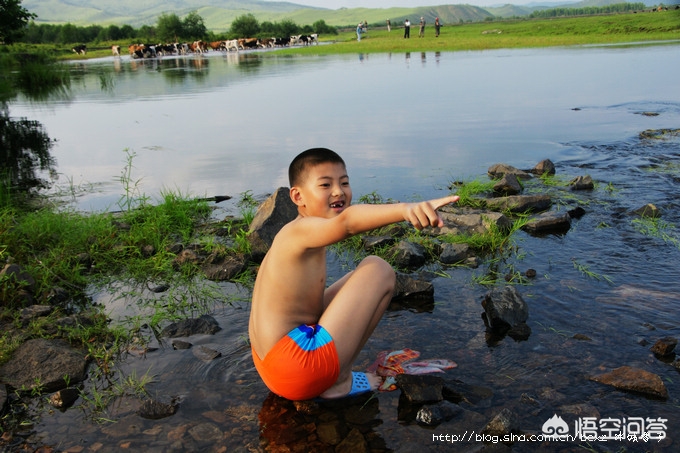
218, 14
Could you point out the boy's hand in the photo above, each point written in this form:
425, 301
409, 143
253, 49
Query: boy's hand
424, 214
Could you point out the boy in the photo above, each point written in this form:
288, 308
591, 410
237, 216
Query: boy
304, 336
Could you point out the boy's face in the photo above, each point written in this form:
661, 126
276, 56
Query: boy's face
324, 191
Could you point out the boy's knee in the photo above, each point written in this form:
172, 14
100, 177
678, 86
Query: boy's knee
382, 271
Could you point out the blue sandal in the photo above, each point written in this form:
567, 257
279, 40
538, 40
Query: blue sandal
360, 383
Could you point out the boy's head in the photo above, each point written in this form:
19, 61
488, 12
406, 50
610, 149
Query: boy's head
310, 158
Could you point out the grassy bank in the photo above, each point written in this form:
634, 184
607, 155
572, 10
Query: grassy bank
622, 28
567, 31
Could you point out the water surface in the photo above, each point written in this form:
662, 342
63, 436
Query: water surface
408, 125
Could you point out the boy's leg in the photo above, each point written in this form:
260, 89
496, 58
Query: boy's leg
355, 305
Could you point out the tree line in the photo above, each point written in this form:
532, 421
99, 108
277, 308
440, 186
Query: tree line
587, 10
168, 28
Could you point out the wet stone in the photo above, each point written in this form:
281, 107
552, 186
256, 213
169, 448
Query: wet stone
505, 422
206, 433
634, 380
421, 388
433, 415
205, 353
665, 347
155, 410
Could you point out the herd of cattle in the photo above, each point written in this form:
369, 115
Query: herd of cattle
200, 47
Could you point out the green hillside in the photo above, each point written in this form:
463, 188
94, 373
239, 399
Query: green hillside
218, 14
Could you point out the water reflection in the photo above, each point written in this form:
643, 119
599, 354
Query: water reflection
346, 425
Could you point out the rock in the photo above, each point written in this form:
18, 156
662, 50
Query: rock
582, 183
576, 213
454, 253
179, 344
433, 415
664, 347
14, 274
41, 364
408, 255
223, 268
412, 293
505, 422
498, 170
353, 443
206, 324
206, 433
548, 222
64, 398
35, 311
520, 203
504, 308
331, 432
271, 216
371, 243
634, 380
544, 167
156, 410
470, 222
459, 392
507, 185
648, 210
206, 354
421, 389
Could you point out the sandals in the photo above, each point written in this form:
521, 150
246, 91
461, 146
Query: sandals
360, 385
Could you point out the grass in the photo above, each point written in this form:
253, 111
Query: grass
501, 34
614, 29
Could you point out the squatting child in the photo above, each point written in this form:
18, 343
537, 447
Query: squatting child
305, 336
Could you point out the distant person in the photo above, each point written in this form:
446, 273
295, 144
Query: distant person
389, 25
407, 28
359, 31
437, 26
365, 26
421, 33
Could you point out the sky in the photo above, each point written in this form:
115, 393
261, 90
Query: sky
336, 4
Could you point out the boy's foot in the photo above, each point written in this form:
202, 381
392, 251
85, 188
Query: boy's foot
360, 383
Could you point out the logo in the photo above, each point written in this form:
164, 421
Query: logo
555, 428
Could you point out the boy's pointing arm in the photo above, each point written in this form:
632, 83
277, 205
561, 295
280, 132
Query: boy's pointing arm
361, 218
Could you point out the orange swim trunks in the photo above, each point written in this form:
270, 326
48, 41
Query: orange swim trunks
302, 365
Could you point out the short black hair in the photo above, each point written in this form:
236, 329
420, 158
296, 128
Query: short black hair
310, 158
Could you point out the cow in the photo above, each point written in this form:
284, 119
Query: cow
115, 50
231, 44
217, 45
80, 49
198, 47
266, 42
282, 42
249, 43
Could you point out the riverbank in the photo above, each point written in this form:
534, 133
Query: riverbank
501, 34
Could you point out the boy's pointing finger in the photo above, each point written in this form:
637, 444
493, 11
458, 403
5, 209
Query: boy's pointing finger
438, 203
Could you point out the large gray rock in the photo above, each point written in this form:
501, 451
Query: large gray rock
520, 203
408, 255
548, 222
271, 216
508, 185
44, 365
205, 324
504, 307
497, 171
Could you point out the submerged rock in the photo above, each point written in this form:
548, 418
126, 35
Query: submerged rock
634, 380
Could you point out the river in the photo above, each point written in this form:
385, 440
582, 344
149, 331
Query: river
408, 125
